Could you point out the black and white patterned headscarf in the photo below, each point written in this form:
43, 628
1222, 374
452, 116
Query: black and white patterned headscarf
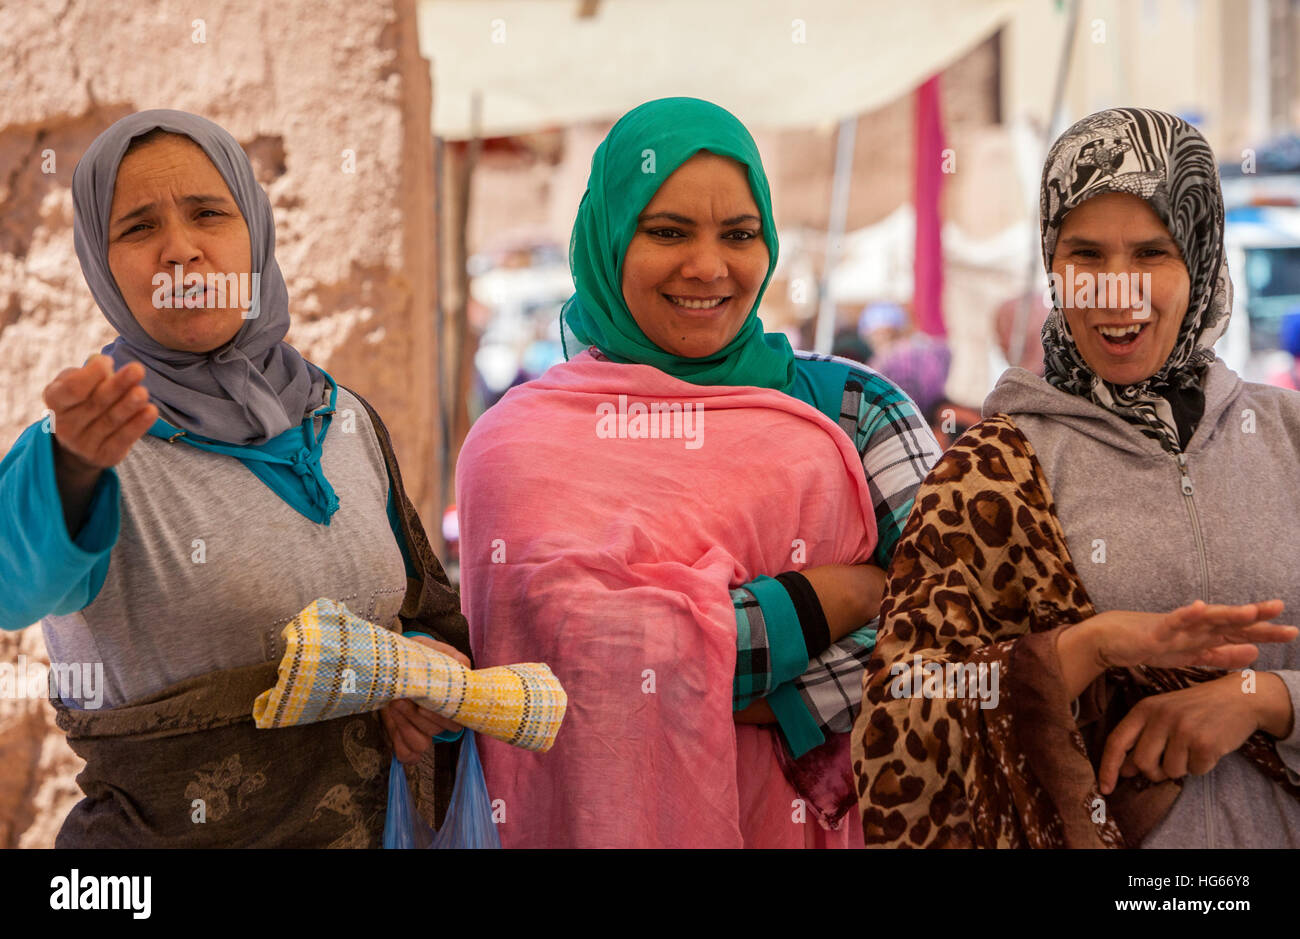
1167, 162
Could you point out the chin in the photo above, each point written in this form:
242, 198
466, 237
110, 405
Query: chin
195, 348
196, 344
1126, 376
205, 334
701, 346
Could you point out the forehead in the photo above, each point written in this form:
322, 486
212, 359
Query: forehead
1113, 212
172, 163
706, 178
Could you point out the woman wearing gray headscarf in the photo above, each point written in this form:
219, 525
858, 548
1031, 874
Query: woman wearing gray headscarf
1089, 569
194, 488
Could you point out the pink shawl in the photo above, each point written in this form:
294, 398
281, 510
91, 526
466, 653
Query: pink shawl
608, 553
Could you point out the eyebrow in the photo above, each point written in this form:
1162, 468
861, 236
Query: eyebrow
201, 199
683, 220
1160, 241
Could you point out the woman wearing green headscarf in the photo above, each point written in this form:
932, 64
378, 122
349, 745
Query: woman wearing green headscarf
705, 600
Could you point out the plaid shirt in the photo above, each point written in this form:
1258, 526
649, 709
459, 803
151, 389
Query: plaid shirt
898, 451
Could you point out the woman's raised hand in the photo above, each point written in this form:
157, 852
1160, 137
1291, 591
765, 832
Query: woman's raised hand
1199, 634
98, 415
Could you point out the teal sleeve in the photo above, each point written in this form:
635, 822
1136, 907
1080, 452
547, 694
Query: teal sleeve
448, 736
797, 724
789, 653
45, 571
775, 624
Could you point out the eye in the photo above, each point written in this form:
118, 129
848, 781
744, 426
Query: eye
1153, 253
213, 211
138, 226
669, 233
1086, 253
746, 235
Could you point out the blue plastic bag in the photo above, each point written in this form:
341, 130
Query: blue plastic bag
403, 826
469, 816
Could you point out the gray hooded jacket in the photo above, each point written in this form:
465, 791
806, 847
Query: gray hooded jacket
1148, 534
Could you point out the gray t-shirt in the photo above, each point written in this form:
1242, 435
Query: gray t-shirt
210, 564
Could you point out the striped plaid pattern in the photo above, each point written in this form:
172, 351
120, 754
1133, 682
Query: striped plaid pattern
337, 664
896, 444
898, 450
831, 688
753, 656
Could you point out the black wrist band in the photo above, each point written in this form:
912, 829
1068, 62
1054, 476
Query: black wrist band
812, 618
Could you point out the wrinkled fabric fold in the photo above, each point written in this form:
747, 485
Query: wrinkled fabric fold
627, 599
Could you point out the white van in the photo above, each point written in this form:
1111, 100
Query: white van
1262, 237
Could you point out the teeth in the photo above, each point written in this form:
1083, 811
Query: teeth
1118, 332
697, 304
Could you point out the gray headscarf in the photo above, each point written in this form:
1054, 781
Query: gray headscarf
1165, 161
253, 387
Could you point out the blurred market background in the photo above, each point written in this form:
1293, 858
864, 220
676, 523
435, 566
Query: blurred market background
904, 144
426, 158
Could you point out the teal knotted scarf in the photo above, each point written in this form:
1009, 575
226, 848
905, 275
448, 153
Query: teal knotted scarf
289, 464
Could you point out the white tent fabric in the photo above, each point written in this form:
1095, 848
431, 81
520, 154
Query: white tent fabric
773, 63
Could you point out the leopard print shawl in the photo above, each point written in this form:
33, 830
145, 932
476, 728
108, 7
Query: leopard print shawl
982, 578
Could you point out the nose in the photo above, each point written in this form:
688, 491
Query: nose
1122, 288
178, 245
1118, 288
704, 262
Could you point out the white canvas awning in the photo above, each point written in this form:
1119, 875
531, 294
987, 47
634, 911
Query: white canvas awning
774, 63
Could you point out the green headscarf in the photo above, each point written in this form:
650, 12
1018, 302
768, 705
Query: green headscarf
641, 151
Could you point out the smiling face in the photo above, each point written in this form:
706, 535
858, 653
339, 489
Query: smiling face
1119, 234
172, 207
696, 262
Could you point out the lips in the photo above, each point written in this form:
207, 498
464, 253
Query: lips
1123, 338
195, 298
698, 306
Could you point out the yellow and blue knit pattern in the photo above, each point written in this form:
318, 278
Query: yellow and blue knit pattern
337, 663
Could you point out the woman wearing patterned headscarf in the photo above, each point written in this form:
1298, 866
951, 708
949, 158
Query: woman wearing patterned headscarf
194, 488
1089, 566
702, 586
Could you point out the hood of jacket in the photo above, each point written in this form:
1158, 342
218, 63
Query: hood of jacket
1019, 391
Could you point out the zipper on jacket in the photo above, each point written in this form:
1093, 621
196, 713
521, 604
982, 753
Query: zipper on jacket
1196, 526
1208, 780
1188, 491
